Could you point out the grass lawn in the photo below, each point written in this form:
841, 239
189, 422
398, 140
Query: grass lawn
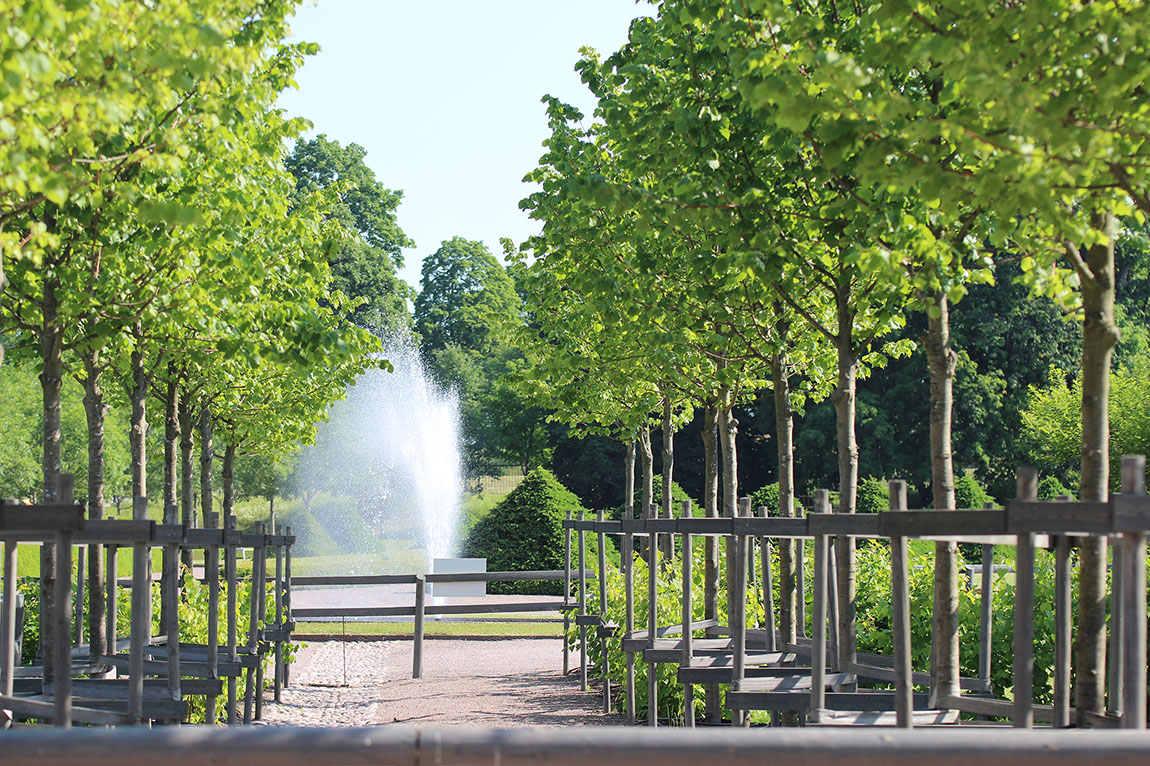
28, 561
431, 628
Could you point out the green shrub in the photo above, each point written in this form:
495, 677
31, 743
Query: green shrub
1050, 488
768, 496
968, 493
525, 532
678, 495
873, 496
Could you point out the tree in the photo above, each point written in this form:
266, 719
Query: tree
464, 293
364, 265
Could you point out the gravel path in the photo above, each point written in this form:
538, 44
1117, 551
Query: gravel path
503, 683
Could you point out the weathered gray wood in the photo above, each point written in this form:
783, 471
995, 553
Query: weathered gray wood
170, 583
986, 610
998, 708
942, 523
1115, 660
260, 589
605, 667
306, 613
40, 522
258, 567
111, 552
795, 682
81, 581
1134, 603
900, 615
40, 708
1033, 515
801, 700
652, 617
212, 573
62, 612
819, 618
768, 586
1063, 616
287, 596
1130, 512
843, 525
688, 618
1024, 610
8, 623
277, 667
628, 563
582, 595
877, 673
420, 612
230, 534
566, 593
738, 609
884, 718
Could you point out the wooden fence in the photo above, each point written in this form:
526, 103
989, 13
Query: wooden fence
174, 669
764, 673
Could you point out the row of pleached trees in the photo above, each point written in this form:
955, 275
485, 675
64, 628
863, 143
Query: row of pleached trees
154, 247
766, 192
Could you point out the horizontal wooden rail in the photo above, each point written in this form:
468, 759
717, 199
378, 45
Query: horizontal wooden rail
409, 579
575, 746
409, 611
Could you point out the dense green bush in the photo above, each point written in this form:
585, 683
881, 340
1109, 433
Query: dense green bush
968, 493
1050, 488
768, 496
678, 495
525, 532
873, 496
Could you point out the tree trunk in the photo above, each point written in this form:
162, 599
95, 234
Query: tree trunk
51, 383
629, 479
171, 471
848, 454
187, 470
95, 410
647, 458
1099, 335
138, 394
711, 543
668, 541
229, 477
942, 362
206, 456
728, 428
784, 430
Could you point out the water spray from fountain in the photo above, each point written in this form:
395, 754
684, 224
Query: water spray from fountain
388, 466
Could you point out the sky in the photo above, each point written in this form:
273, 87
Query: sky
446, 99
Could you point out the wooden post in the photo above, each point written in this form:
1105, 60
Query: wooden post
277, 668
81, 582
1063, 616
986, 609
900, 617
629, 610
8, 626
582, 603
1115, 663
566, 596
1024, 612
800, 579
819, 616
833, 601
262, 579
420, 605
230, 527
287, 597
1134, 603
768, 588
141, 616
738, 613
253, 626
212, 574
652, 617
170, 587
606, 666
111, 553
688, 618
62, 597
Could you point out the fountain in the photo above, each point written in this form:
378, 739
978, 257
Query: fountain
384, 477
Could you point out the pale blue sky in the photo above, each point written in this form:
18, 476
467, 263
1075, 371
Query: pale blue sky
445, 97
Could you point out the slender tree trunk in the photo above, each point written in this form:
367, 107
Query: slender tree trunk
848, 454
629, 478
207, 453
138, 394
96, 411
51, 384
187, 470
668, 541
711, 543
647, 457
728, 428
171, 474
942, 361
784, 430
1099, 335
229, 477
